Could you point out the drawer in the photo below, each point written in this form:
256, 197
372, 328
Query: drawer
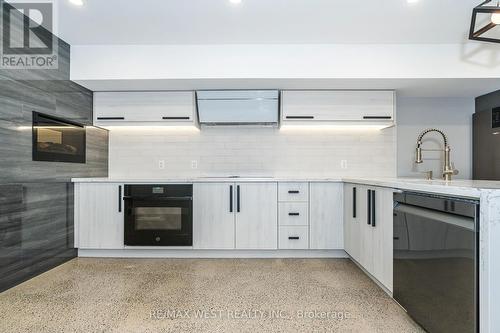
293, 213
294, 238
293, 192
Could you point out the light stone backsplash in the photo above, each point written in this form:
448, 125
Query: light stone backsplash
257, 151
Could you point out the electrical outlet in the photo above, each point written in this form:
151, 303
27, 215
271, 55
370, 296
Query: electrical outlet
343, 164
161, 164
194, 164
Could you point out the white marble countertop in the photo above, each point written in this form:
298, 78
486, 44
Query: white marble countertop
459, 187
204, 180
464, 188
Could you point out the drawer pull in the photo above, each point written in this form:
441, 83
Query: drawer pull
175, 118
293, 214
377, 117
294, 237
110, 118
293, 192
299, 117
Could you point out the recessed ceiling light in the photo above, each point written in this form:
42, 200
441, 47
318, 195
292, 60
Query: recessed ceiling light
235, 1
76, 2
412, 1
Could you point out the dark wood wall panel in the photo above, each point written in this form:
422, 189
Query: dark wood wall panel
18, 99
36, 198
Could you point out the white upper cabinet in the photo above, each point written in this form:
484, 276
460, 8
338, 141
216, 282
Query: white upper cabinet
337, 106
147, 108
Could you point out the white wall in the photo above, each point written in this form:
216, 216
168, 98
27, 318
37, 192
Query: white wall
451, 115
251, 151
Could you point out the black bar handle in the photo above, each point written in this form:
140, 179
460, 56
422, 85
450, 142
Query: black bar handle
373, 208
175, 118
369, 211
119, 198
377, 117
293, 192
110, 118
294, 237
238, 198
354, 202
299, 117
231, 198
293, 214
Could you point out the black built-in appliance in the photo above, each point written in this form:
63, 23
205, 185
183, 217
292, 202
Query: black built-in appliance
436, 256
486, 147
58, 140
158, 215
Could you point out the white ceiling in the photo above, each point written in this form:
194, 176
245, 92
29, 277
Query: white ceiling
264, 21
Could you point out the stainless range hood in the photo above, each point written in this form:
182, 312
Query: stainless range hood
238, 107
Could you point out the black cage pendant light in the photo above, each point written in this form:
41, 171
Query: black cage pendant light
487, 17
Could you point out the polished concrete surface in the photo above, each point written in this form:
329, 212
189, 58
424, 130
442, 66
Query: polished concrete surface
202, 295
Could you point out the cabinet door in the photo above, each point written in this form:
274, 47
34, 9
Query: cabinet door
99, 215
324, 105
326, 216
383, 237
365, 230
348, 218
147, 106
213, 215
256, 215
352, 210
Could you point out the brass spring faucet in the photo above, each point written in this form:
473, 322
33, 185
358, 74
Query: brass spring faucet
449, 168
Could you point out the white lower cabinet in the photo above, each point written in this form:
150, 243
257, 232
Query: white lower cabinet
293, 213
368, 229
383, 236
99, 216
213, 216
256, 216
293, 237
235, 216
352, 220
326, 216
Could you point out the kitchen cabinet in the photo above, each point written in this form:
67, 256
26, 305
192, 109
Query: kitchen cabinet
144, 108
352, 220
293, 216
213, 216
310, 106
326, 216
383, 236
293, 192
293, 237
256, 216
369, 235
293, 213
99, 215
235, 216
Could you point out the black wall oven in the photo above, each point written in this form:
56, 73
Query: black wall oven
158, 215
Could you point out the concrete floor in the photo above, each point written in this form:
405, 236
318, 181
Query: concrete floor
231, 295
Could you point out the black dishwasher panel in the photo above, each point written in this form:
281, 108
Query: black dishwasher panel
436, 261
